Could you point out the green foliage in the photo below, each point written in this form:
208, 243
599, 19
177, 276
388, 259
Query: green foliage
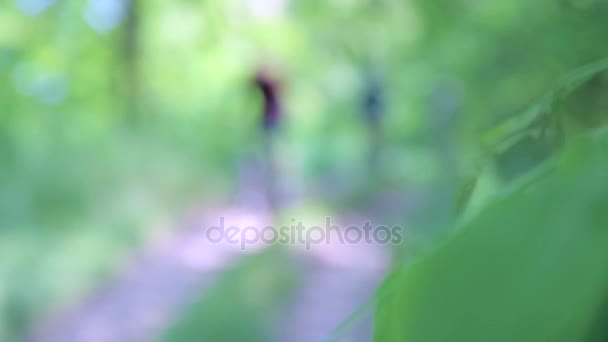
241, 306
527, 262
107, 132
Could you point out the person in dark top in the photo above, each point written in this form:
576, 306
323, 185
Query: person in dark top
373, 108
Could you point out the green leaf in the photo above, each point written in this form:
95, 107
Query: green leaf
531, 267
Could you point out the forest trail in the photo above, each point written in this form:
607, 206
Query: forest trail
146, 297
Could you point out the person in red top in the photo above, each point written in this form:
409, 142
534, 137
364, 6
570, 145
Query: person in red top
272, 112
270, 90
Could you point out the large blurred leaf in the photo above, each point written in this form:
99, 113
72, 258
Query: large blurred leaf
531, 267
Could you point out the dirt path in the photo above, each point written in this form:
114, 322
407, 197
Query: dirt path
140, 302
335, 286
